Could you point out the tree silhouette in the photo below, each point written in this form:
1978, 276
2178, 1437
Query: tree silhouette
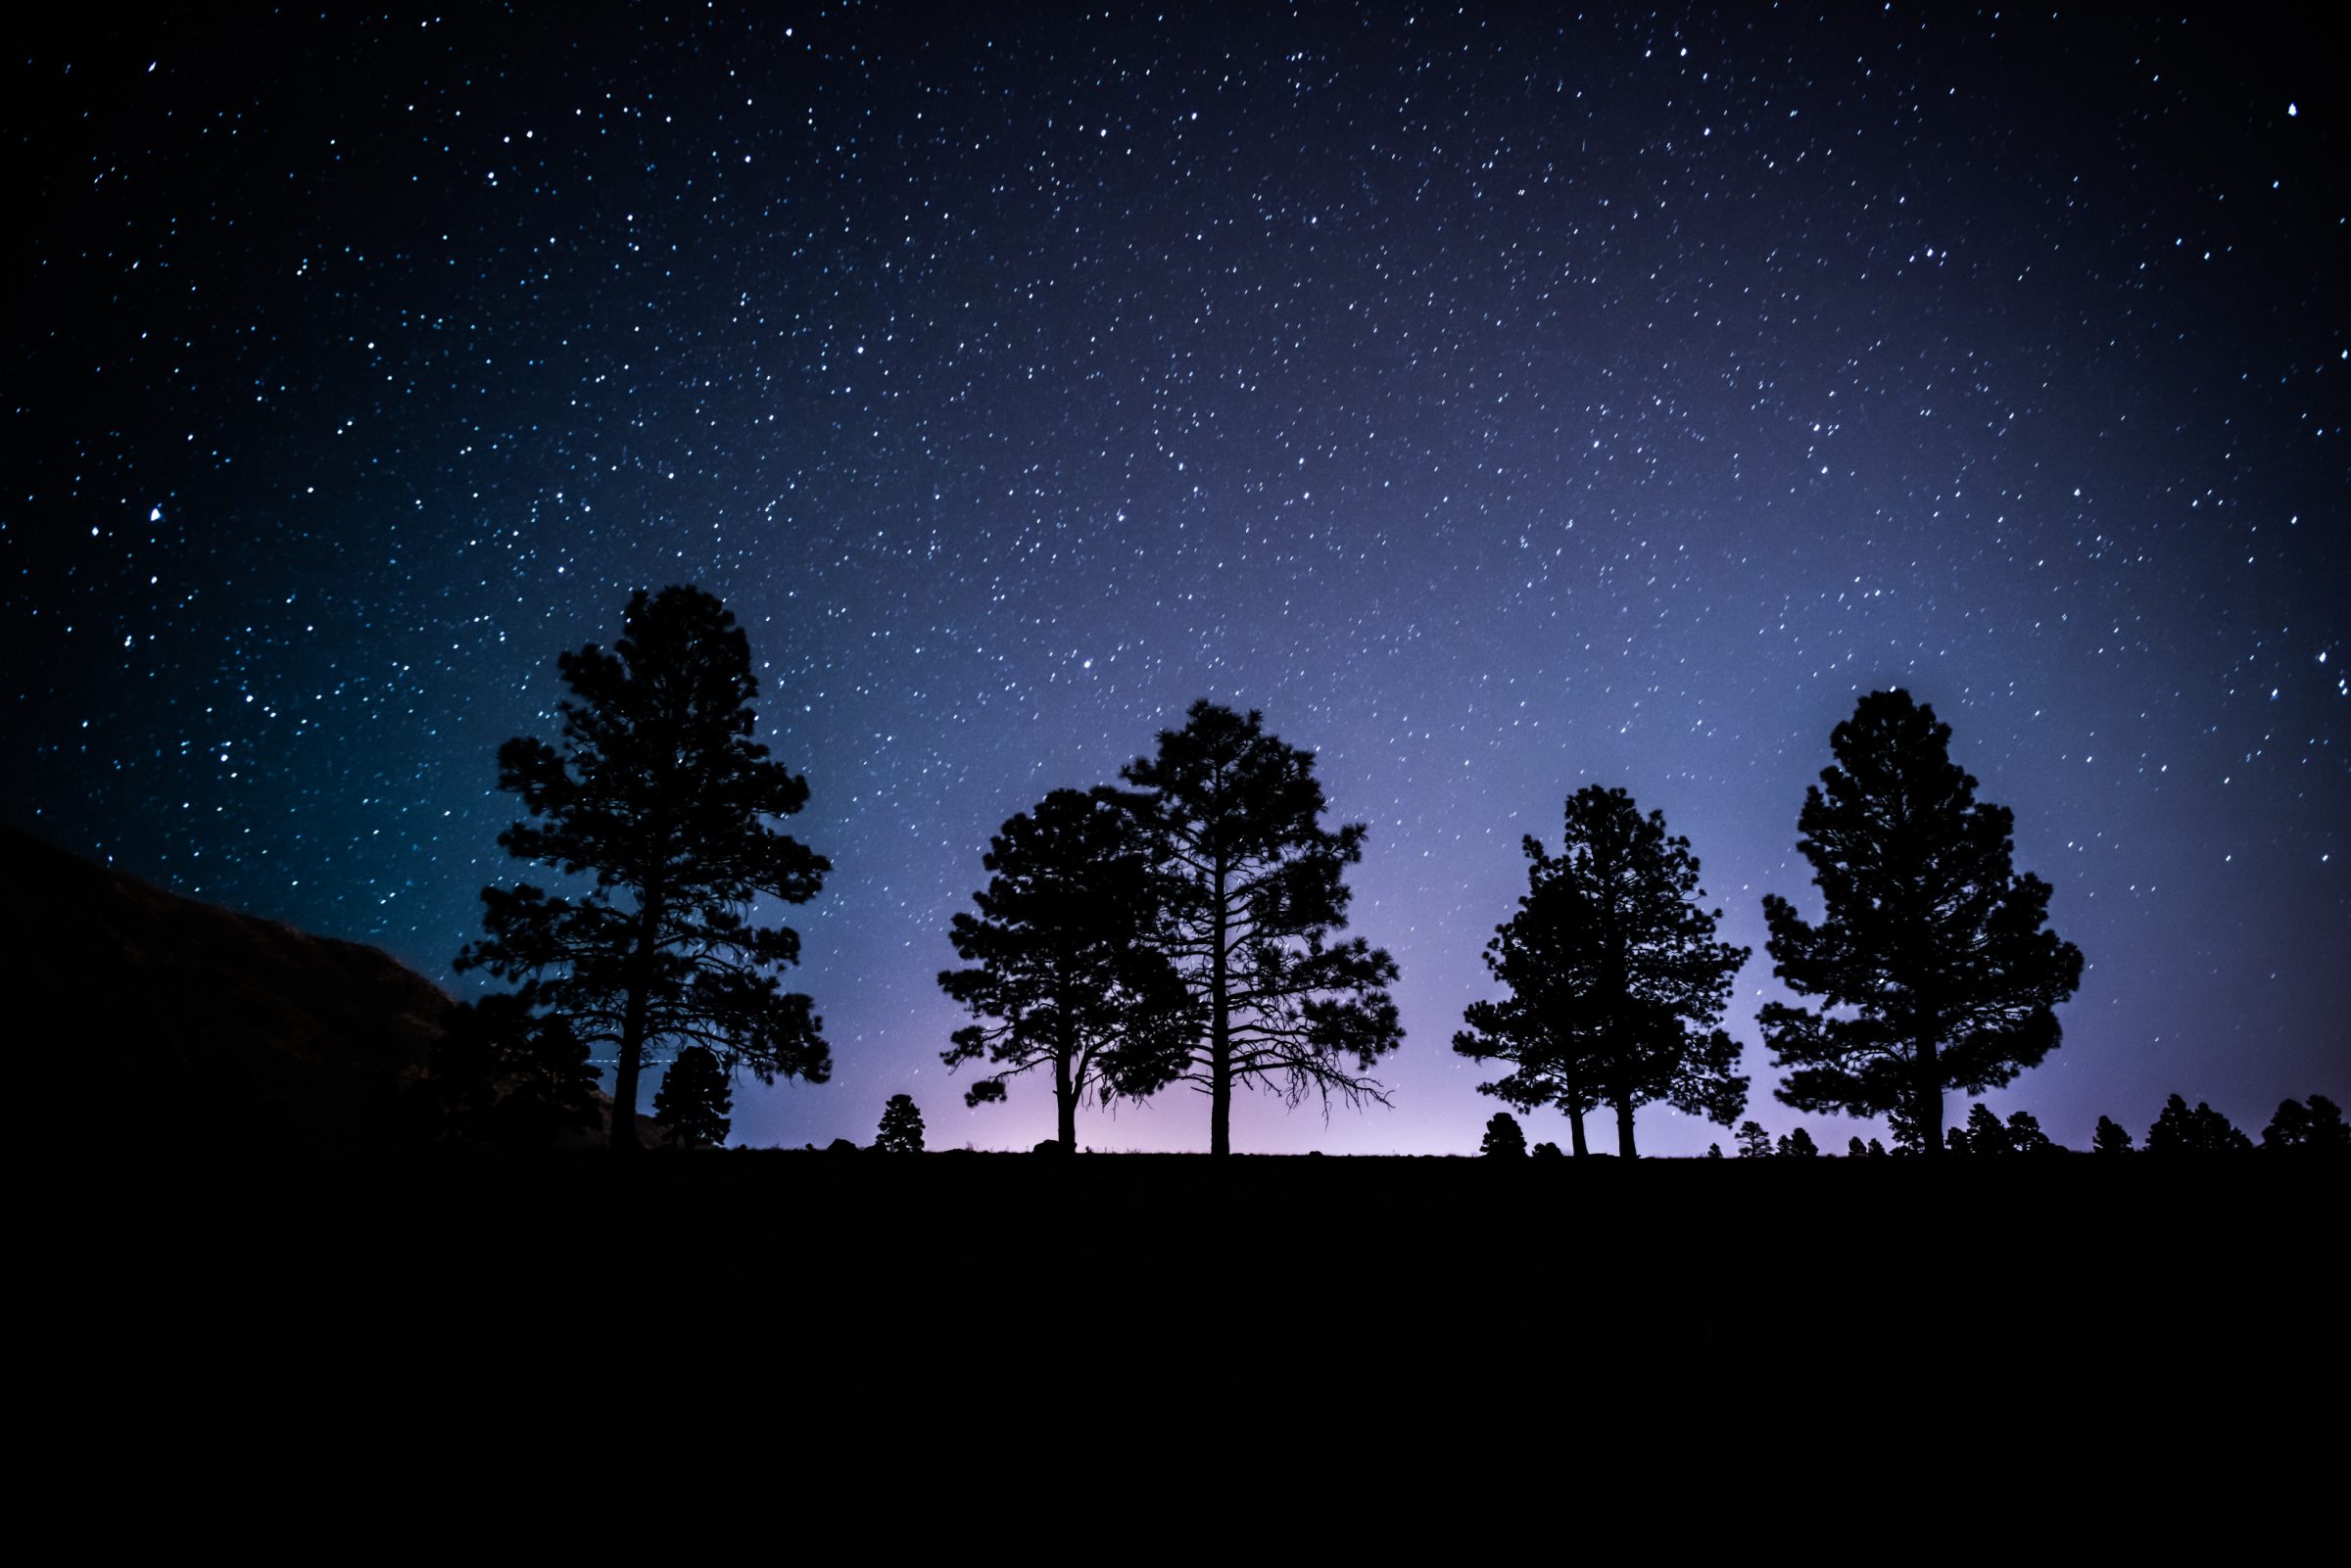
1063, 979
1854, 1149
1932, 963
1877, 1149
2110, 1139
1503, 1139
1545, 1150
506, 1073
2025, 1137
902, 1130
1252, 890
2177, 1131
2312, 1128
1754, 1141
2324, 1129
695, 1100
663, 796
2288, 1128
1615, 978
1904, 1130
1799, 1143
1985, 1135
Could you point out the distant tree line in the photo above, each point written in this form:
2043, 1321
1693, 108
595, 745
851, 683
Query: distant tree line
1183, 926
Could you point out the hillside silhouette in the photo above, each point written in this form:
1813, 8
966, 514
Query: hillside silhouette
154, 1015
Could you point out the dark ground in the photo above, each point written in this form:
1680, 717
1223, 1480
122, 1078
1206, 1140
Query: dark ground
983, 1330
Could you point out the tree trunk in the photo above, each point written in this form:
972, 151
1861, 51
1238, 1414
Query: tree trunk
1929, 1103
1219, 1032
632, 1033
624, 1078
1065, 1103
1624, 1130
1575, 1132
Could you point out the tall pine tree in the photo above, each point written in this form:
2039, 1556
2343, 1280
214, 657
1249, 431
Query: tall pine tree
1932, 962
1253, 890
1063, 979
1617, 981
661, 796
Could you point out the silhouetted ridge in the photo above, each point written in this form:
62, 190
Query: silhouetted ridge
150, 1015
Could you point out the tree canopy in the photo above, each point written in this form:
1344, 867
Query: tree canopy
2177, 1131
1252, 890
695, 1102
901, 1128
661, 796
1504, 1139
2318, 1127
1065, 977
1617, 979
1932, 962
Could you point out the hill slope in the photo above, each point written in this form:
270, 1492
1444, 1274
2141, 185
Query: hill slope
145, 1013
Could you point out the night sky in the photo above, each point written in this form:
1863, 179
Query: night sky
1499, 403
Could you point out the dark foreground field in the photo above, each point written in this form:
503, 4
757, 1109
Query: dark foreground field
984, 1326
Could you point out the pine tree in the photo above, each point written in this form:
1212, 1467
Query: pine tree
695, 1101
1985, 1134
1854, 1149
2307, 1128
662, 796
1503, 1139
1932, 962
1617, 979
1798, 1143
2024, 1136
1877, 1149
1252, 887
2177, 1131
1064, 979
1754, 1141
901, 1129
2288, 1127
2327, 1131
2110, 1139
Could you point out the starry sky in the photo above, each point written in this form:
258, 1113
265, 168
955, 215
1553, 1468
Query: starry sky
1501, 400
